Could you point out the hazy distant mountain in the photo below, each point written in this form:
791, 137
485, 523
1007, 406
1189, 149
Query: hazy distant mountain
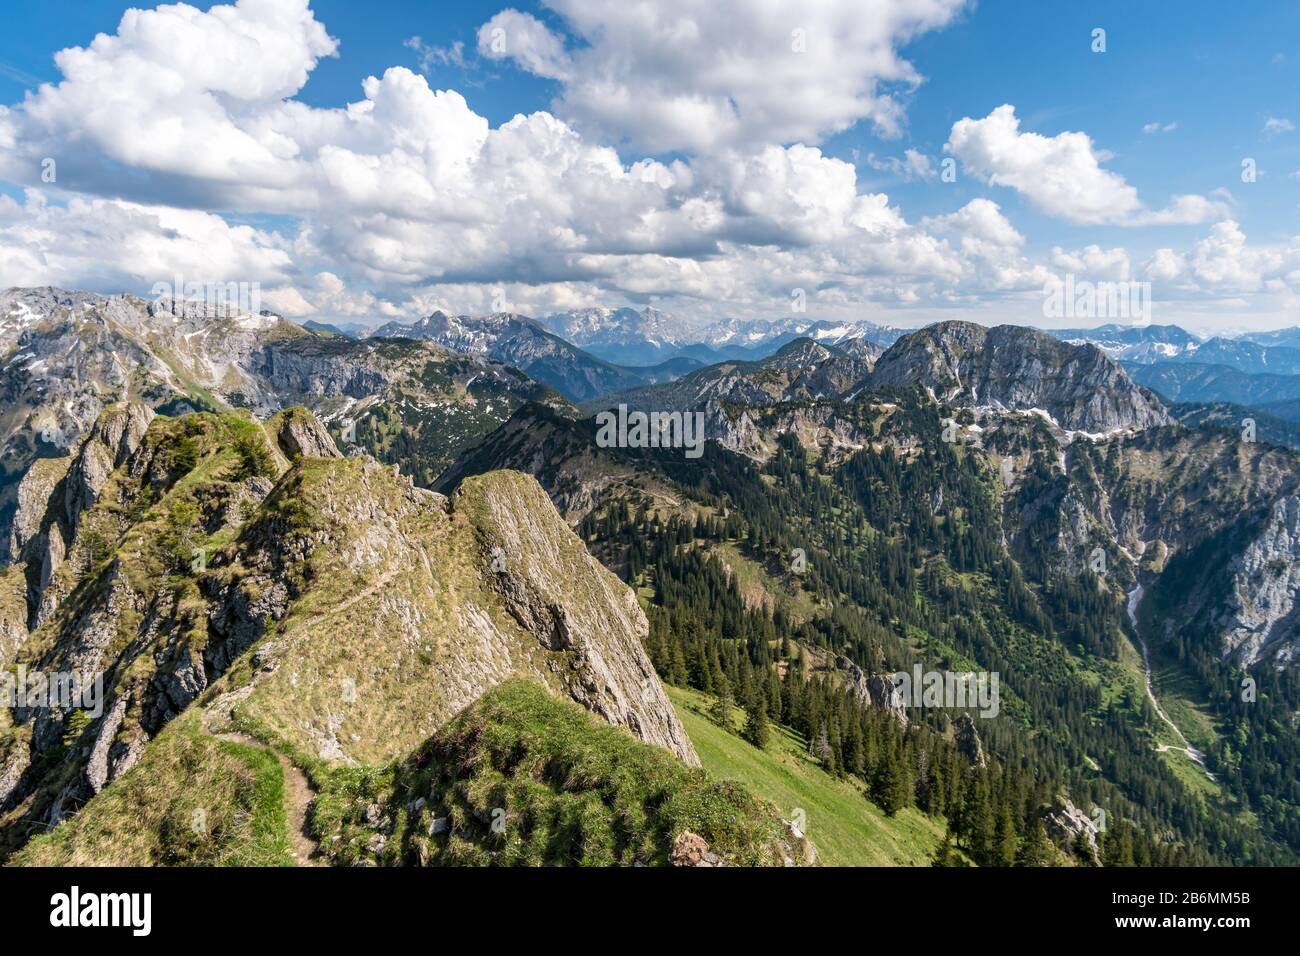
631, 337
623, 336
520, 341
1246, 356
1257, 352
1289, 409
1278, 337
1137, 343
1250, 370
1199, 382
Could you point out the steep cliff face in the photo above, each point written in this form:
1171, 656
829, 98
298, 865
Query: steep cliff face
1259, 620
13, 614
113, 439
57, 492
567, 601
379, 609
875, 690
440, 599
965, 364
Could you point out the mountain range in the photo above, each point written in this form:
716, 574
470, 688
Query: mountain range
406, 576
637, 340
624, 349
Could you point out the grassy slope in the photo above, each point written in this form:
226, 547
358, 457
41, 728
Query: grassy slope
566, 789
846, 828
758, 586
192, 800
571, 790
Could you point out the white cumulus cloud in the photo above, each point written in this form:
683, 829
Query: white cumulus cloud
680, 74
1061, 175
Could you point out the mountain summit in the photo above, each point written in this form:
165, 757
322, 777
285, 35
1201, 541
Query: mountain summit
963, 364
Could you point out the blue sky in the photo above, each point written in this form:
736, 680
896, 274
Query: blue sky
1182, 95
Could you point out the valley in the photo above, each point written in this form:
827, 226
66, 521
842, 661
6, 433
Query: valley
331, 568
1134, 599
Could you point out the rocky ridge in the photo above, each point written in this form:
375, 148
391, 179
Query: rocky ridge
66, 356
226, 535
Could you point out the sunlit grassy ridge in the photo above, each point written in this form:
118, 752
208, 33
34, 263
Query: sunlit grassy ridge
523, 778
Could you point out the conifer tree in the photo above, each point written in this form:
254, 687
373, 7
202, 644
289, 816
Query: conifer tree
891, 788
1116, 845
1006, 844
822, 751
1037, 850
1083, 850
756, 730
721, 712
946, 853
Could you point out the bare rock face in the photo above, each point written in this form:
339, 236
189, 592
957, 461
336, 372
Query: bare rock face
965, 364
563, 596
116, 434
13, 613
300, 435
15, 758
1259, 620
1064, 822
884, 693
876, 690
97, 768
967, 740
56, 492
35, 498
